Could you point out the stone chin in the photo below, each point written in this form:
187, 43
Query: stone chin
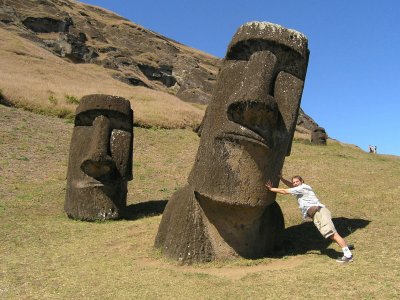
95, 201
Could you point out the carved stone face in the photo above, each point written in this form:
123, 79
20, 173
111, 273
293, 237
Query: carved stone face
249, 124
100, 161
319, 136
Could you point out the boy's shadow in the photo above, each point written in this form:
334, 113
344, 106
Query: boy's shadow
300, 239
144, 209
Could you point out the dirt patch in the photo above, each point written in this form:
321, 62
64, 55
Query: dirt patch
228, 272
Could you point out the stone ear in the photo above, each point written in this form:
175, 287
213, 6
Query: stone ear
287, 93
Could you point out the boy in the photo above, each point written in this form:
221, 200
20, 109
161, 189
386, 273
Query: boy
310, 206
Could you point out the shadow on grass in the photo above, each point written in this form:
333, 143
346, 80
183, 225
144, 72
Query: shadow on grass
144, 209
300, 239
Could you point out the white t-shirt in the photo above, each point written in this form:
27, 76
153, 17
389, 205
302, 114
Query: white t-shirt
305, 197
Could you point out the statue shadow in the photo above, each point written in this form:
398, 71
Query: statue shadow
300, 239
143, 209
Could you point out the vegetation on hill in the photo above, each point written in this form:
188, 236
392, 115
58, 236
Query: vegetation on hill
45, 255
36, 80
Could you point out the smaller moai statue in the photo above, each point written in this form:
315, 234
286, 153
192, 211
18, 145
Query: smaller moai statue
318, 136
100, 158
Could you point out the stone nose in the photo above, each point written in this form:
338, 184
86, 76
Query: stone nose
255, 107
98, 162
259, 75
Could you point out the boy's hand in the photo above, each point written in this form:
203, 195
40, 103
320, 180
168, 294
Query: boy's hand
268, 185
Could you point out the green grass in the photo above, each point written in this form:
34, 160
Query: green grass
53, 100
45, 255
60, 112
71, 99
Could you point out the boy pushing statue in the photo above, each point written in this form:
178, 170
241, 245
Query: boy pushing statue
311, 207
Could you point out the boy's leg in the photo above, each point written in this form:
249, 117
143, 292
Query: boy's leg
338, 239
323, 221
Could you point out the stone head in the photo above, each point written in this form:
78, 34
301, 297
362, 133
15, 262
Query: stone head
100, 159
319, 136
250, 122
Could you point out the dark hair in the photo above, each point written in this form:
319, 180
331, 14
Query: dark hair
298, 177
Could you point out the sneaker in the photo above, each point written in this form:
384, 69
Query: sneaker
345, 259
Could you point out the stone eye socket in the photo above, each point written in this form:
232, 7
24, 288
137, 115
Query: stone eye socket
253, 113
288, 60
258, 116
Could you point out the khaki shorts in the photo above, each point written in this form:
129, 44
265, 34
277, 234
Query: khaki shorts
323, 221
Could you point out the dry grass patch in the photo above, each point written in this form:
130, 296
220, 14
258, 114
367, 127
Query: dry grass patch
35, 79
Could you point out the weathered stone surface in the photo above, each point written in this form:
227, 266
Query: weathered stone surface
100, 158
225, 210
7, 14
318, 136
162, 73
47, 25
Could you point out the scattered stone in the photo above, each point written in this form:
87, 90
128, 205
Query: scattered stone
162, 74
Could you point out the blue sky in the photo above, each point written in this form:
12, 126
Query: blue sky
353, 78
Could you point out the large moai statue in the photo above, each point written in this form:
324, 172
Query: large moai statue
318, 136
225, 210
100, 158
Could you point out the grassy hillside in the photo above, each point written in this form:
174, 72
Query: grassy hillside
44, 255
35, 79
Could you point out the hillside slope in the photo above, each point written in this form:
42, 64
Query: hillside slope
33, 78
82, 33
45, 255
86, 49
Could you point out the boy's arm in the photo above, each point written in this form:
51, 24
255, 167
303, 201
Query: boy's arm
285, 181
268, 185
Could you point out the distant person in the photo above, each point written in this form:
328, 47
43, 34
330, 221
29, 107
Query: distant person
375, 149
311, 207
370, 149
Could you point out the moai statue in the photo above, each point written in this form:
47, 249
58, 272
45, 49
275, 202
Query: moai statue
318, 136
100, 158
225, 210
